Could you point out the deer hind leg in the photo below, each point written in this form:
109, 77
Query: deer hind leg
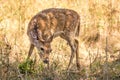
30, 51
71, 44
77, 54
74, 45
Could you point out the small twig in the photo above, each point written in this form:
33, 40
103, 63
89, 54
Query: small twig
106, 63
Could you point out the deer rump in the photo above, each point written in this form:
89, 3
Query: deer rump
50, 23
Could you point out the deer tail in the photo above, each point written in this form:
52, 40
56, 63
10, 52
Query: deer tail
77, 31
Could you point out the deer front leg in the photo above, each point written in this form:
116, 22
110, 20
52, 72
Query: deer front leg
30, 51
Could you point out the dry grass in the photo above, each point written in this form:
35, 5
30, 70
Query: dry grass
100, 20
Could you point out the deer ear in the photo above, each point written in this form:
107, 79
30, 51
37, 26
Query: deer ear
40, 36
50, 39
37, 35
33, 35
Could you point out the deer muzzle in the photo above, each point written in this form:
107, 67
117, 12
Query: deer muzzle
46, 61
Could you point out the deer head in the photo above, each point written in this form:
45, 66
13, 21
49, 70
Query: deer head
43, 42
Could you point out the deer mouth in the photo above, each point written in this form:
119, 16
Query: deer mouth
46, 61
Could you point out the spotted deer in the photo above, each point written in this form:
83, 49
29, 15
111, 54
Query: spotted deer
51, 23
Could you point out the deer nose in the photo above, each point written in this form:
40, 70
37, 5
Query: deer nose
46, 61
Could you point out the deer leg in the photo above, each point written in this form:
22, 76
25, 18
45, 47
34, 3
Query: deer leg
72, 53
77, 54
71, 59
30, 51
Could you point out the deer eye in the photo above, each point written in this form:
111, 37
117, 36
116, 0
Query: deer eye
42, 49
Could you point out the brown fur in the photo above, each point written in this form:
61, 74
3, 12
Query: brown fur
50, 23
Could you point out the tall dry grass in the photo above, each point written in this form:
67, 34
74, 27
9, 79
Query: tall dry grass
100, 23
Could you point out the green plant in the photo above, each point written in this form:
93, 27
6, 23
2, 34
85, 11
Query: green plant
26, 67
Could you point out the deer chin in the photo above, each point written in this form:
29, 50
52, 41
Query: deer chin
47, 65
46, 61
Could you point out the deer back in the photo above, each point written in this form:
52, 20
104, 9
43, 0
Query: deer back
51, 22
